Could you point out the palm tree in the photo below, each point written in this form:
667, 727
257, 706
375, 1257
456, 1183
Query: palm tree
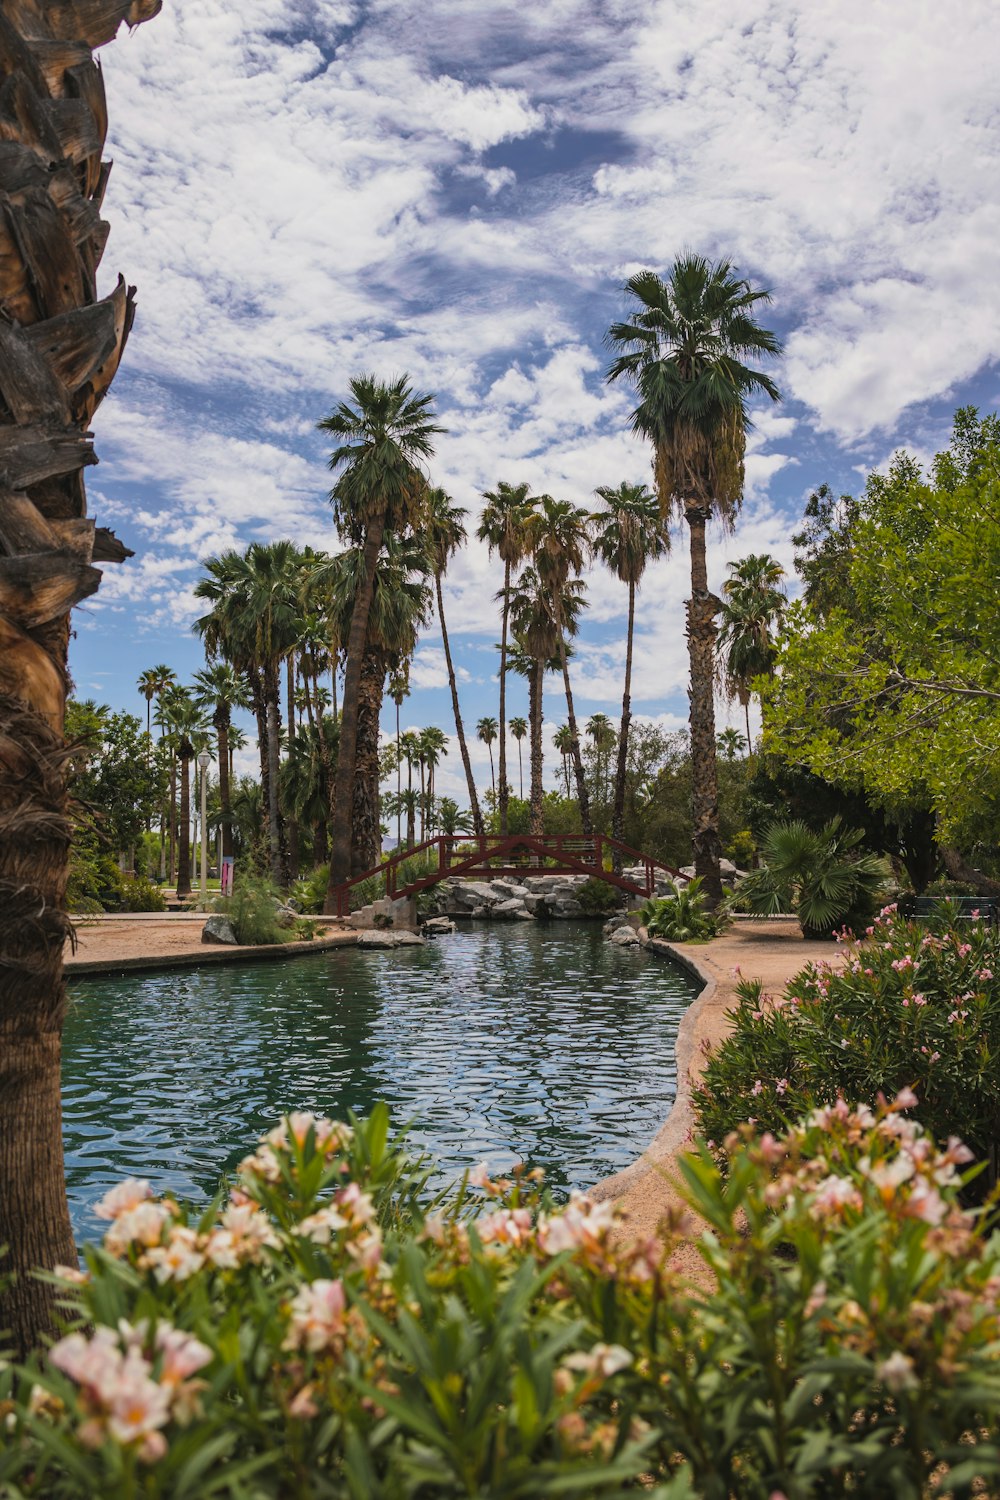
148, 686
188, 730
682, 350
222, 689
433, 746
399, 688
501, 526
751, 613
563, 741
535, 652
153, 683
601, 732
560, 541
628, 533
454, 819
379, 488
519, 728
486, 730
445, 533
730, 743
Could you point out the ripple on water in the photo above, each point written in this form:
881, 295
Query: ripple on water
541, 1044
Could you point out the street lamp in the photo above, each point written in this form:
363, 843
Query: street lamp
204, 759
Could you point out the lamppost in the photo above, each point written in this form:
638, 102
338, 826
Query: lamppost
204, 760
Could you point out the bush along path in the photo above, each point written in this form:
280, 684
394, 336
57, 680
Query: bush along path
913, 1005
327, 1327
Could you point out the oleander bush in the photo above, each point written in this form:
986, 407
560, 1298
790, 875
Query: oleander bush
682, 916
913, 1005
326, 1328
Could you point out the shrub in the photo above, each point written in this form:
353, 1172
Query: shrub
742, 849
136, 893
328, 1331
309, 891
682, 916
822, 877
598, 898
911, 1007
253, 910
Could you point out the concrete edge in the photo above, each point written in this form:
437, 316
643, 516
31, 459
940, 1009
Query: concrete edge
82, 967
673, 1133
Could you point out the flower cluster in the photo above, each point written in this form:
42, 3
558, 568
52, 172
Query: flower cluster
154, 1235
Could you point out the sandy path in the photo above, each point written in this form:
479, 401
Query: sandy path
146, 942
771, 951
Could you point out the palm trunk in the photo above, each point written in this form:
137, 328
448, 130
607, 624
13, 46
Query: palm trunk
184, 858
520, 772
172, 833
746, 712
586, 822
290, 698
618, 814
477, 817
365, 802
410, 830
423, 800
340, 857
274, 828
504, 789
701, 633
222, 720
399, 785
493, 779
535, 682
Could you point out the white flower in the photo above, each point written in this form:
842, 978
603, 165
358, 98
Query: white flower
316, 1316
122, 1198
896, 1373
603, 1360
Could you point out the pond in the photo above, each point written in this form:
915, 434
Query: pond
523, 1042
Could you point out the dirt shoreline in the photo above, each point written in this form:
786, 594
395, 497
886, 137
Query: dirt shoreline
119, 946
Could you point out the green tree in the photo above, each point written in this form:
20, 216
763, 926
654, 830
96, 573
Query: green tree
519, 728
751, 614
502, 526
445, 533
628, 534
682, 350
382, 438
486, 732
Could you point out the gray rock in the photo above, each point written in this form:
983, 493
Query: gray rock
507, 910
404, 939
566, 908
375, 939
218, 930
613, 924
475, 893
438, 926
625, 937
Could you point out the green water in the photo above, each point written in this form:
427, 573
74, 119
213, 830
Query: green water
539, 1043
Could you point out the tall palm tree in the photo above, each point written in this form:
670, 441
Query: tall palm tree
382, 438
519, 728
148, 687
188, 729
433, 746
753, 605
60, 345
486, 731
601, 733
219, 688
501, 526
730, 743
535, 652
628, 534
563, 741
682, 350
560, 542
445, 533
399, 688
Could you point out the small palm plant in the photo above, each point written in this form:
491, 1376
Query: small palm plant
823, 877
682, 916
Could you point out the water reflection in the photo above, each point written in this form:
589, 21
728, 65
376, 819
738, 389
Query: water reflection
540, 1044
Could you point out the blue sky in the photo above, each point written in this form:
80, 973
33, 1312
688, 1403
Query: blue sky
304, 189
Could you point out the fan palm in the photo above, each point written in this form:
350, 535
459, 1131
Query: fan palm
563, 741
222, 689
753, 605
188, 729
502, 528
445, 533
536, 636
559, 537
682, 350
380, 489
628, 534
399, 688
433, 746
519, 728
824, 877
486, 731
601, 733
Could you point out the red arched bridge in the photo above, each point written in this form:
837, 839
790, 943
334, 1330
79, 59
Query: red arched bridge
523, 854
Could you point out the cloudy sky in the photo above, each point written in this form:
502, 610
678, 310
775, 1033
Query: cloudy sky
306, 189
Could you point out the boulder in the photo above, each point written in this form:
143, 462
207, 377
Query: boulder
475, 893
613, 924
218, 930
509, 890
404, 939
437, 926
508, 911
565, 907
372, 938
625, 937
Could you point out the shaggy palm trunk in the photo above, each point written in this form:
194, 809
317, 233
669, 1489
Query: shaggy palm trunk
504, 788
746, 713
222, 722
292, 865
411, 831
535, 681
172, 827
477, 817
184, 856
399, 784
343, 789
701, 633
618, 812
274, 828
586, 822
365, 809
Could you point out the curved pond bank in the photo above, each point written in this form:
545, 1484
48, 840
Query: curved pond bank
535, 1043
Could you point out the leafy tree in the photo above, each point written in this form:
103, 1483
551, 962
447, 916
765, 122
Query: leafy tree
116, 785
380, 490
628, 533
502, 526
682, 351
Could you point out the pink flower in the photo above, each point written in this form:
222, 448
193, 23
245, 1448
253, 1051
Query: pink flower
834, 1195
603, 1360
926, 1203
905, 1099
508, 1226
316, 1316
183, 1354
178, 1259
781, 1087
302, 1406
896, 1373
757, 1089
123, 1198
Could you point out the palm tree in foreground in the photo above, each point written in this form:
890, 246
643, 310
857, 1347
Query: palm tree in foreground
753, 605
444, 535
682, 350
502, 527
382, 438
628, 533
486, 730
519, 728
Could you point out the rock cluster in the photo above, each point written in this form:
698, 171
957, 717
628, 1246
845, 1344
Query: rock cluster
508, 900
400, 938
